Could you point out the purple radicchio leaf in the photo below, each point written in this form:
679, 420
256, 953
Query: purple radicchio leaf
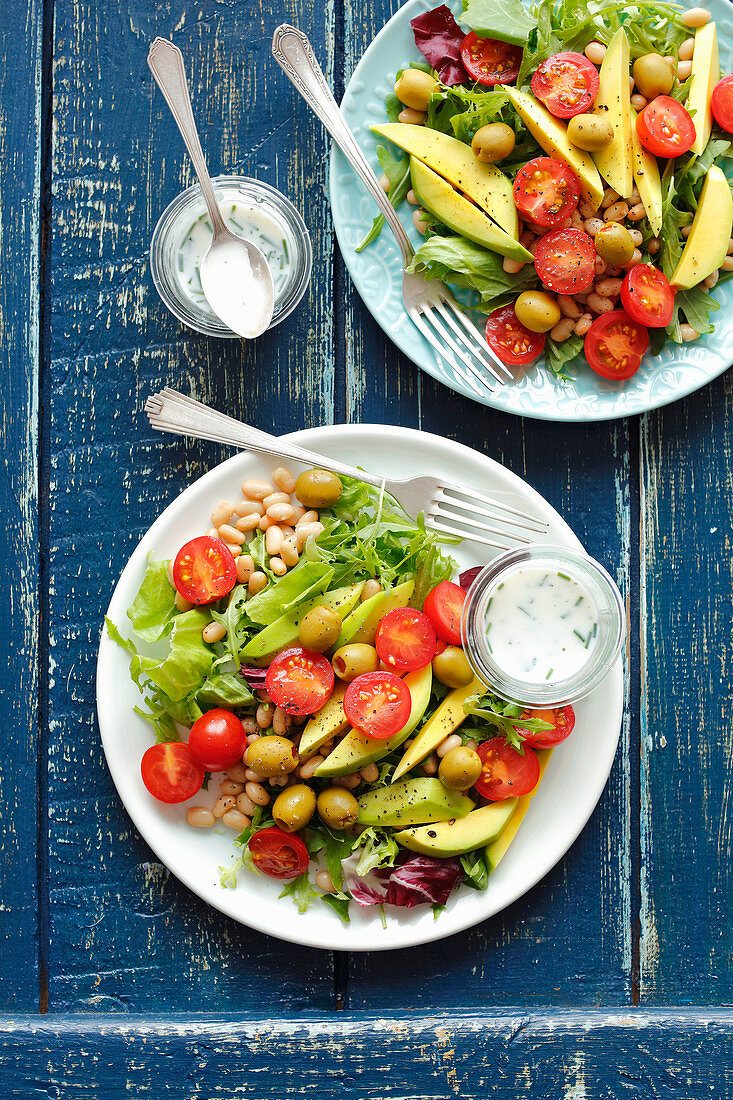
439, 38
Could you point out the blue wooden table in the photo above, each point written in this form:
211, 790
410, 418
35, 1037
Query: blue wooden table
612, 978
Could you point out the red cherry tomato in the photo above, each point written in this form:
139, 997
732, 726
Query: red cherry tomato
510, 340
546, 191
444, 607
722, 103
278, 854
217, 740
204, 570
647, 296
405, 640
665, 128
615, 345
299, 681
489, 61
565, 260
378, 704
171, 772
567, 84
561, 718
505, 772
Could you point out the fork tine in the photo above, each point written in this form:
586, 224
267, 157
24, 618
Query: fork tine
442, 351
470, 360
469, 535
477, 525
482, 351
473, 495
449, 507
468, 325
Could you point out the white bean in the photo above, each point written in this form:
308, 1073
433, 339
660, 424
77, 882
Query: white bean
511, 266
595, 52
236, 774
289, 552
278, 567
639, 102
609, 197
280, 722
236, 820
616, 212
248, 522
420, 222
562, 329
281, 513
199, 817
608, 288
213, 632
256, 489
598, 304
684, 71
727, 264
324, 883
568, 307
273, 539
231, 534
583, 324
257, 793
256, 582
245, 804
711, 280
600, 265
182, 603
249, 508
228, 786
245, 566
696, 17
222, 513
635, 259
637, 236
370, 773
451, 742
430, 766
412, 198
686, 50
308, 768
264, 715
222, 804
411, 117
592, 225
384, 184
284, 479
687, 332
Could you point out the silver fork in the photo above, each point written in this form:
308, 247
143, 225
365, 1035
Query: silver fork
429, 304
450, 509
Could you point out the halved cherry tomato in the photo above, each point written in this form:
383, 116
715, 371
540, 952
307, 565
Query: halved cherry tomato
546, 191
567, 84
722, 103
647, 296
504, 771
278, 854
510, 340
444, 607
489, 61
299, 681
665, 128
565, 260
204, 570
615, 345
217, 740
561, 718
171, 772
378, 704
405, 640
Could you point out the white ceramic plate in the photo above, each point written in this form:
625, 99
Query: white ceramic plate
565, 800
377, 271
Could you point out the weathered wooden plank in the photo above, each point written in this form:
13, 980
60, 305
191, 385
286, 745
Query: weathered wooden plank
687, 817
588, 1055
124, 936
20, 236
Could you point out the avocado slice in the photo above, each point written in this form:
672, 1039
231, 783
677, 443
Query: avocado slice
357, 750
707, 244
411, 803
615, 161
485, 184
442, 199
361, 625
647, 179
453, 838
284, 631
325, 723
552, 135
447, 718
705, 75
496, 850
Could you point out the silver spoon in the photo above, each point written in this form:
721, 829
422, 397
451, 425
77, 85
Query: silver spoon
235, 276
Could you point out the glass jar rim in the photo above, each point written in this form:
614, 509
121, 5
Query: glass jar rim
602, 658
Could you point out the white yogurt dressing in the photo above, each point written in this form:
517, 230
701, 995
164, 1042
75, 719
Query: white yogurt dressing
541, 624
250, 223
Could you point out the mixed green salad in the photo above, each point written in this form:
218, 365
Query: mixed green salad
302, 671
565, 159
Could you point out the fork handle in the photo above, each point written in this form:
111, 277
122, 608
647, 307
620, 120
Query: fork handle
294, 54
170, 411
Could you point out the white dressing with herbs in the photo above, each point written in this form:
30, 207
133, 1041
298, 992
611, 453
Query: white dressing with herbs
246, 221
541, 624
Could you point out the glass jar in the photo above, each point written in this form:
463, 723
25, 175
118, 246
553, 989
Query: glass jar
547, 606
176, 224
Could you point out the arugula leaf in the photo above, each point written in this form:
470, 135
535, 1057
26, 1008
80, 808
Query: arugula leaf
558, 355
476, 869
505, 717
434, 568
153, 609
507, 20
465, 264
340, 903
333, 848
301, 891
397, 171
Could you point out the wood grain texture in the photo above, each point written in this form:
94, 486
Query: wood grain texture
20, 286
587, 1055
686, 944
124, 935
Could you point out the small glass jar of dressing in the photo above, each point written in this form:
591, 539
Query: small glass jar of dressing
543, 625
252, 210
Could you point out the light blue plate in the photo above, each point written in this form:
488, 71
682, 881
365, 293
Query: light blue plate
377, 271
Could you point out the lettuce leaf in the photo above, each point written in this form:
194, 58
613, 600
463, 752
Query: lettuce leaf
507, 20
153, 609
397, 171
464, 264
379, 850
227, 690
189, 659
558, 355
475, 869
299, 584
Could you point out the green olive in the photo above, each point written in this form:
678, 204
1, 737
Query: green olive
590, 132
493, 142
614, 244
537, 311
318, 488
414, 88
653, 75
460, 768
320, 628
271, 755
294, 808
337, 807
352, 660
451, 667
